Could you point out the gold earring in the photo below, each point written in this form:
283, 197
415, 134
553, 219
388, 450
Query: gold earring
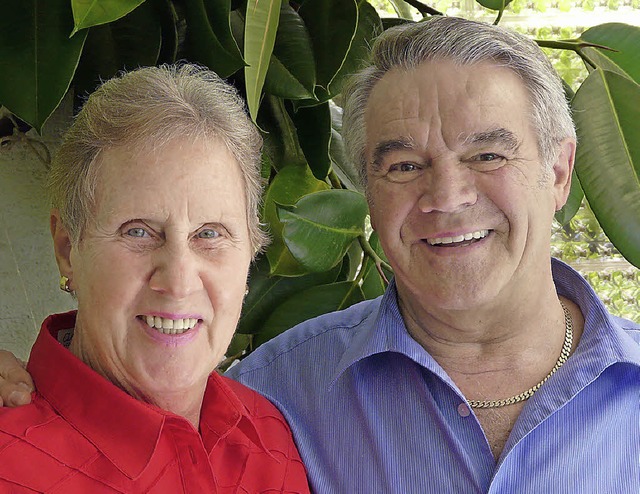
246, 291
64, 284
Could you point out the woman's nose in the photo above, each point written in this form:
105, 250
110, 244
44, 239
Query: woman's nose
176, 271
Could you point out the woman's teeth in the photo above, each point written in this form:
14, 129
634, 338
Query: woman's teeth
460, 238
170, 326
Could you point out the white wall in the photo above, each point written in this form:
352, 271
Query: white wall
28, 272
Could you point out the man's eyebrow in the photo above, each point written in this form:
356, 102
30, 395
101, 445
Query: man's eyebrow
385, 147
500, 136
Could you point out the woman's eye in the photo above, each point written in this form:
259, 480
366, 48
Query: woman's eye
208, 233
137, 232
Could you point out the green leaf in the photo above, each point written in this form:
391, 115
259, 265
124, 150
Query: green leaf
569, 210
37, 59
89, 13
290, 184
494, 4
280, 134
292, 71
266, 292
623, 38
219, 16
169, 30
127, 43
309, 303
261, 24
314, 133
332, 25
369, 26
608, 156
320, 226
203, 45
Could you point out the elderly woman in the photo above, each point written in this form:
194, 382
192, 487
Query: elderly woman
155, 190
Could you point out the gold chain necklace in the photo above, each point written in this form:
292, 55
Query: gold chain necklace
564, 355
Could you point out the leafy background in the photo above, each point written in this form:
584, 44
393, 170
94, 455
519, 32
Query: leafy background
290, 61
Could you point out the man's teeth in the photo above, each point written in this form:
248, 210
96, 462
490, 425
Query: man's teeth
170, 326
459, 238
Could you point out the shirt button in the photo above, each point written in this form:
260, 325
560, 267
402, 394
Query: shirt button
463, 410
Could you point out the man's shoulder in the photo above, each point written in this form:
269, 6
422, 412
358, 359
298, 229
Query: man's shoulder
631, 328
324, 336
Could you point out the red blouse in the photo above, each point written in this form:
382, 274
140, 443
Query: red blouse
82, 434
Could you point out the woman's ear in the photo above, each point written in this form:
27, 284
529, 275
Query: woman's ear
562, 169
61, 244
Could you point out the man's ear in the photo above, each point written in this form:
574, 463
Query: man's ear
61, 244
562, 169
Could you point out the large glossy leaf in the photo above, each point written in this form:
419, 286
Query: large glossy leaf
319, 227
369, 26
169, 20
289, 185
494, 4
573, 203
571, 207
332, 25
280, 134
622, 38
89, 13
219, 16
608, 156
292, 71
127, 43
37, 57
261, 24
307, 304
266, 292
314, 133
203, 45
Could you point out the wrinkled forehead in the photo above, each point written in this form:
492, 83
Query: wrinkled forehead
441, 96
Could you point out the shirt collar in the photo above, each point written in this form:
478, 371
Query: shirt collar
385, 332
108, 417
606, 339
604, 335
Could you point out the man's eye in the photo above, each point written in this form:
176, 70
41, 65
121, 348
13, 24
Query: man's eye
404, 167
137, 232
488, 157
208, 233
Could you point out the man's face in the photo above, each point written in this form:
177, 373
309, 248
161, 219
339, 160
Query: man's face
457, 192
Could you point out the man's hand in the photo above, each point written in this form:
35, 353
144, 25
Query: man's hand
16, 384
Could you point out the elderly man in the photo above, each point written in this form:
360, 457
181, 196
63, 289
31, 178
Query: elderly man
486, 366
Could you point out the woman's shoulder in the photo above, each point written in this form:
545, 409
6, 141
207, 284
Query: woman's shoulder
255, 403
37, 446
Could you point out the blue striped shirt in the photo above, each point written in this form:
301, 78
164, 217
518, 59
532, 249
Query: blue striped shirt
372, 411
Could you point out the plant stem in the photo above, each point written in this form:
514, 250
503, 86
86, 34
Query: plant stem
380, 264
422, 8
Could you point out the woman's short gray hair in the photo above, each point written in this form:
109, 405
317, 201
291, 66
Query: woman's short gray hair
153, 105
464, 42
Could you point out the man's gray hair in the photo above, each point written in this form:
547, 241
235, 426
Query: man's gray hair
464, 42
153, 106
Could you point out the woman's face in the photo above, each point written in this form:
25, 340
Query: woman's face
160, 272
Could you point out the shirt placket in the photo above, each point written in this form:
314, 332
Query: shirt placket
194, 463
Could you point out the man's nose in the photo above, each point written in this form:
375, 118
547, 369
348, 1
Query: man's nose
448, 187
